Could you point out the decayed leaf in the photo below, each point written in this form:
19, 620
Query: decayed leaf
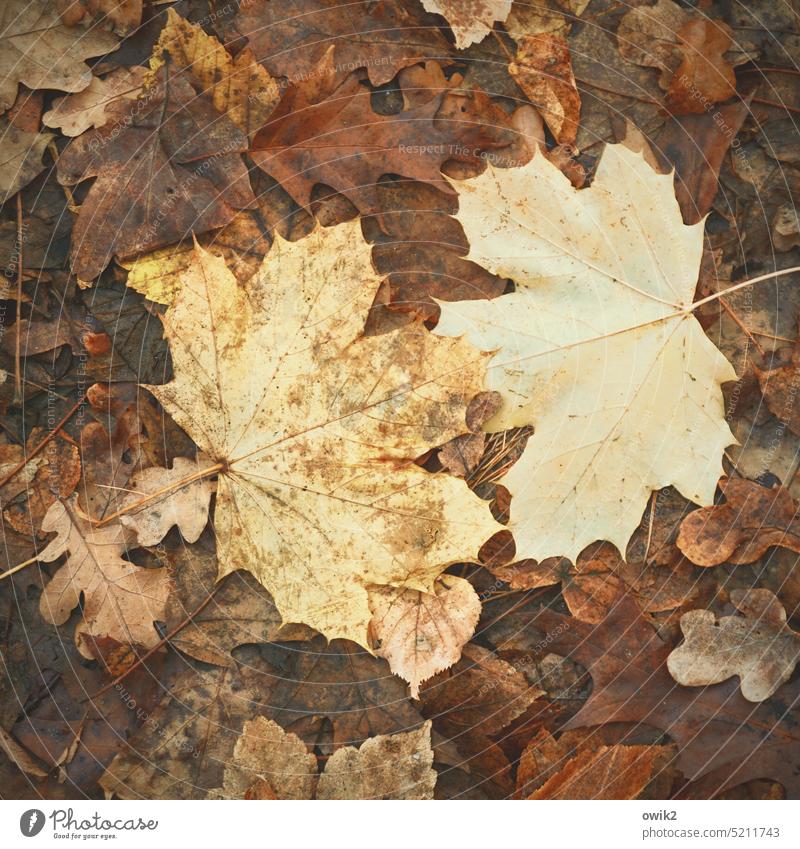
320, 438
722, 738
703, 76
482, 692
265, 752
419, 633
778, 388
182, 751
421, 247
470, 20
551, 16
343, 143
740, 530
121, 599
52, 474
604, 288
240, 612
759, 646
392, 766
95, 105
22, 157
19, 756
123, 15
543, 70
181, 157
238, 87
36, 49
335, 694
687, 49
290, 37
609, 772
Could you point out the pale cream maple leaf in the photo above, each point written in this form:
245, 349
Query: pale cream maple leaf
597, 348
316, 427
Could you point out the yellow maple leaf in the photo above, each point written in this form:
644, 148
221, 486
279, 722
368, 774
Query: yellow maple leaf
316, 427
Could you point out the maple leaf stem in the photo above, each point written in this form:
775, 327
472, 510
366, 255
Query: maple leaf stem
166, 490
750, 282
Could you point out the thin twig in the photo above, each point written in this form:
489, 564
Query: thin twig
20, 267
18, 568
165, 639
744, 328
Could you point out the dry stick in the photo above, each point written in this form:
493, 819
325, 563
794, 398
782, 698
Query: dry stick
165, 639
20, 264
17, 568
173, 487
53, 433
742, 326
765, 102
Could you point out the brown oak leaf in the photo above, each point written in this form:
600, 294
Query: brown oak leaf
166, 166
751, 519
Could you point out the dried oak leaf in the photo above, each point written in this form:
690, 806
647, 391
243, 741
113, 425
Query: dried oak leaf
704, 76
341, 142
751, 519
123, 15
778, 388
96, 104
185, 507
695, 146
543, 70
722, 739
758, 646
470, 20
687, 50
22, 157
419, 633
166, 166
601, 445
239, 88
390, 766
421, 247
51, 475
291, 37
121, 599
321, 437
36, 49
